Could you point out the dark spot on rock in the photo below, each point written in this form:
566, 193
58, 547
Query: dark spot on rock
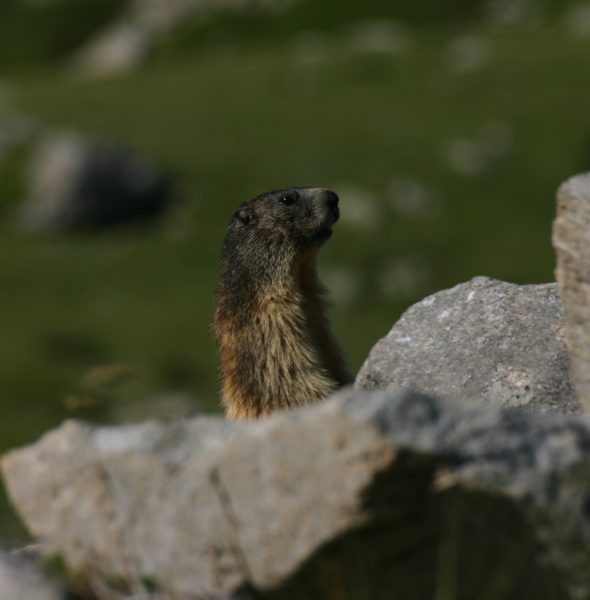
552, 489
411, 407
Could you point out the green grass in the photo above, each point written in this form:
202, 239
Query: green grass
234, 120
46, 32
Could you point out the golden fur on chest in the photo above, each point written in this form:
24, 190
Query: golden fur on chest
285, 355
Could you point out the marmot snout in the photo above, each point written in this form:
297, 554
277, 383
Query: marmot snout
304, 216
276, 349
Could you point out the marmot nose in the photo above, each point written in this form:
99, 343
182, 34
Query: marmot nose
331, 198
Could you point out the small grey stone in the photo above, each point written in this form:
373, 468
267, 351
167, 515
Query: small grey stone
484, 340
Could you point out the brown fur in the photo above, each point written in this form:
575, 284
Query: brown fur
276, 346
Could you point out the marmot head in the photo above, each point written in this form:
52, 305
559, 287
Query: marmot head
299, 217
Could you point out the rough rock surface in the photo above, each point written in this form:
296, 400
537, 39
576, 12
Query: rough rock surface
362, 496
77, 182
22, 580
571, 240
484, 340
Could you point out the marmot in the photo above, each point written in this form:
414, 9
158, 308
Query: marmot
276, 349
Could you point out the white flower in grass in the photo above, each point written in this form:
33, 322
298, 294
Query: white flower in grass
410, 197
379, 36
507, 13
404, 277
312, 48
359, 208
343, 283
468, 53
471, 156
577, 20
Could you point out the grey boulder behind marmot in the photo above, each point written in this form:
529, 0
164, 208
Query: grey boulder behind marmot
484, 340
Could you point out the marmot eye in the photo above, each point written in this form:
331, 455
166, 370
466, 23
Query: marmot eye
287, 200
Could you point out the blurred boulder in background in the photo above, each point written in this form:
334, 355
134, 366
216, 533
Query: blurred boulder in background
161, 15
21, 578
484, 340
126, 44
79, 183
119, 49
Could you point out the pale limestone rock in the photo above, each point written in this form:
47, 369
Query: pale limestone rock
571, 240
363, 494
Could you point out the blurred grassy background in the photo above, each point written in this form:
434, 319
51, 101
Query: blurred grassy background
446, 128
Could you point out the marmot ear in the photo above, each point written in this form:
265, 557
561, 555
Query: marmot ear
246, 216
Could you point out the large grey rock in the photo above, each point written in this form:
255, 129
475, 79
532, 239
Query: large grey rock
571, 240
20, 579
80, 183
482, 341
367, 495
